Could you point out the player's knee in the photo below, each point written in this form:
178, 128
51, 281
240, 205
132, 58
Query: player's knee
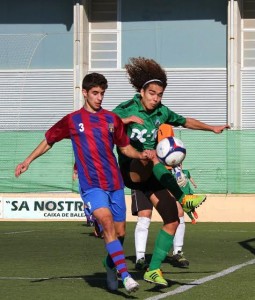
171, 227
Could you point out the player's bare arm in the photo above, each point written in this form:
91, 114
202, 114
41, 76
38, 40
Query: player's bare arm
131, 152
42, 148
198, 125
193, 182
132, 119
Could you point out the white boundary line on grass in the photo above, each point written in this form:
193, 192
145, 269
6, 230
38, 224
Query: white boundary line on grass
192, 284
17, 232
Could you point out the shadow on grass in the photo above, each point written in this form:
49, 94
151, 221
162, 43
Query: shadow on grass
97, 280
160, 289
247, 245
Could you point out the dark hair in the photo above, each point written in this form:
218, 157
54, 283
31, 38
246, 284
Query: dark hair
94, 79
141, 70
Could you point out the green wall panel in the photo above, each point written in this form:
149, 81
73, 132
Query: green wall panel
219, 163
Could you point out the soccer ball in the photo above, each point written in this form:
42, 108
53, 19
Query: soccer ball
171, 151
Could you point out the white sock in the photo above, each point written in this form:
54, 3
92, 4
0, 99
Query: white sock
179, 236
141, 235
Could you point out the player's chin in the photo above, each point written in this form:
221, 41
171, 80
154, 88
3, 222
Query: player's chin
97, 106
153, 106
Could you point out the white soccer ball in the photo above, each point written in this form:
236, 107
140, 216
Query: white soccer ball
171, 151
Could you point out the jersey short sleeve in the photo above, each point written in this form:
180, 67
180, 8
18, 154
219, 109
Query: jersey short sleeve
59, 131
121, 110
175, 119
120, 137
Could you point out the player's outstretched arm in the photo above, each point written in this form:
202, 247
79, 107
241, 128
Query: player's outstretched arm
193, 182
42, 148
197, 125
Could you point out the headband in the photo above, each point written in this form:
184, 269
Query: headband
152, 80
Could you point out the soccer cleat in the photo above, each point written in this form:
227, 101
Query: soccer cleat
130, 284
155, 276
111, 277
190, 202
178, 260
90, 221
141, 264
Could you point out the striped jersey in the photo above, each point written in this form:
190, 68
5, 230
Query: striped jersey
93, 137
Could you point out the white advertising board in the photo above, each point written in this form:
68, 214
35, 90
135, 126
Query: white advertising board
41, 208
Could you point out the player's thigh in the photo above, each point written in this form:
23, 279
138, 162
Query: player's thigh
135, 175
166, 206
140, 204
140, 170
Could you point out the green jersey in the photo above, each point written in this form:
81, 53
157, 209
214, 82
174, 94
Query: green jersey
187, 190
144, 136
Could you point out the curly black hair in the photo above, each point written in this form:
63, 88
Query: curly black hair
141, 70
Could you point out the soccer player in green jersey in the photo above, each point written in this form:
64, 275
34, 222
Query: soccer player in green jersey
186, 188
142, 116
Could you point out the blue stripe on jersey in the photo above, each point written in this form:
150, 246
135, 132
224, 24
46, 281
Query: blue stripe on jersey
110, 120
85, 154
102, 148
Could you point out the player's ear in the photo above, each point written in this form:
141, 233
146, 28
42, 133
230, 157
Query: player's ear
142, 92
84, 93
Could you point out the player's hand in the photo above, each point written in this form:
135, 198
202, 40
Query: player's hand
132, 119
21, 168
148, 154
75, 175
153, 156
220, 129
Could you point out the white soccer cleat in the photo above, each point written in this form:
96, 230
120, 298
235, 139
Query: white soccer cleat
130, 284
111, 278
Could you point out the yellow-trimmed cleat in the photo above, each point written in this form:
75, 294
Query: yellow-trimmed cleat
155, 276
190, 202
178, 260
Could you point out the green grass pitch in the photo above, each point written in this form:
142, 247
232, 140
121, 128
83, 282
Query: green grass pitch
62, 260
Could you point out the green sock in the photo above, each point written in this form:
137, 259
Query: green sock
166, 178
189, 213
163, 244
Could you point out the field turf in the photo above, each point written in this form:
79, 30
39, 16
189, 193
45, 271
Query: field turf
63, 260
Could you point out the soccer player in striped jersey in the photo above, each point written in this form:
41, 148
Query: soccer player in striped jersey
94, 131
